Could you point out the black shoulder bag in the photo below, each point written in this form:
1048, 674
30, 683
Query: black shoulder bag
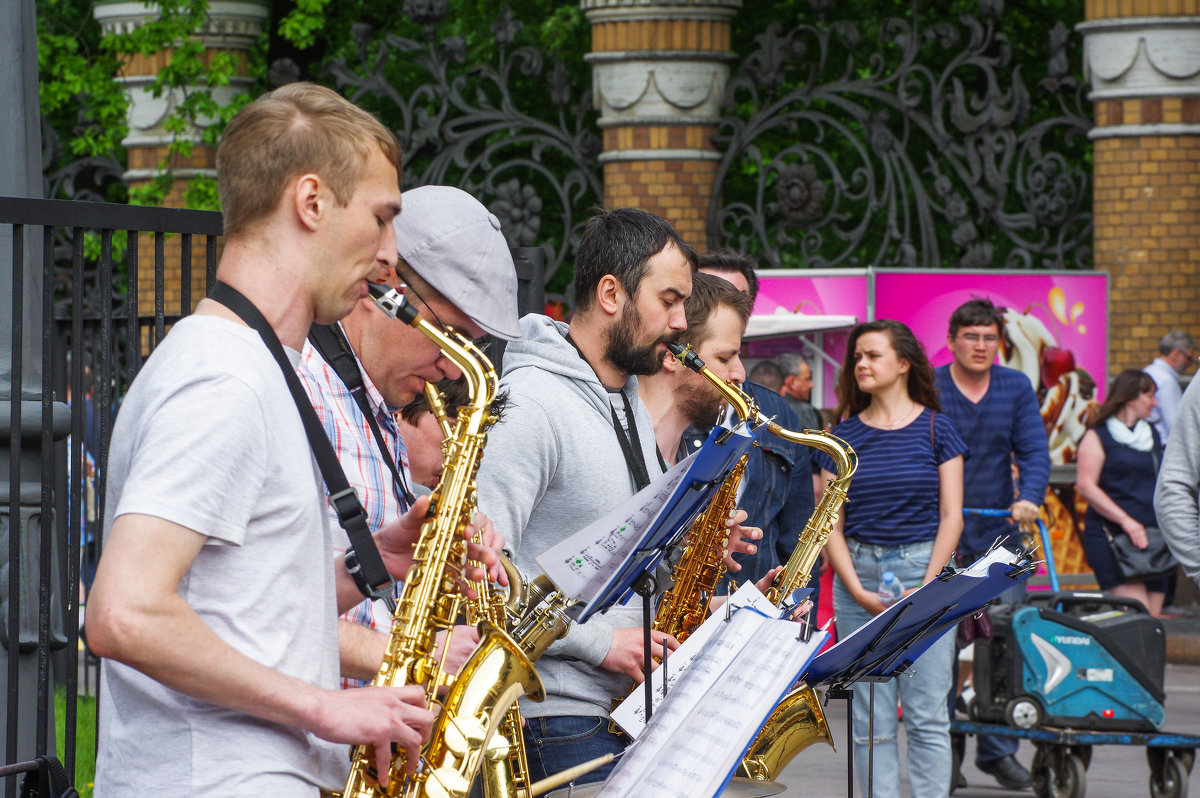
1134, 564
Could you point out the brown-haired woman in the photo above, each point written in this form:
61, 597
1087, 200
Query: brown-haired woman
1115, 472
904, 515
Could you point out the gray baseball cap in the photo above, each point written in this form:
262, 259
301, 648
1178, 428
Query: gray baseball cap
455, 244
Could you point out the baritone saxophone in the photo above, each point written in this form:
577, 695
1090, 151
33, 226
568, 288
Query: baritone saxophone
498, 672
536, 612
534, 615
798, 721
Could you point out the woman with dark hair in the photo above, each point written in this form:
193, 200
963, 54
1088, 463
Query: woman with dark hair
903, 514
1115, 472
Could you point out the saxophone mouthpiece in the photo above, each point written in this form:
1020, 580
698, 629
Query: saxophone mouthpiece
687, 356
392, 302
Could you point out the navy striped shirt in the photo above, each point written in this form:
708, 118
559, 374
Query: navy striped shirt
1005, 425
893, 496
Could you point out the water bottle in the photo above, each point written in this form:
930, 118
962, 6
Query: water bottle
890, 589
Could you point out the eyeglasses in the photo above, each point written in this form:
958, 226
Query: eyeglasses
974, 338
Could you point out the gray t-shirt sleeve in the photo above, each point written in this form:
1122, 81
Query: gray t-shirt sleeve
195, 468
1178, 487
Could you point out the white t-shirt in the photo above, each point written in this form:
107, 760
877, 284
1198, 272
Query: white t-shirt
209, 438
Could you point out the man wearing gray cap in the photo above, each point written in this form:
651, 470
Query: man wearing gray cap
456, 265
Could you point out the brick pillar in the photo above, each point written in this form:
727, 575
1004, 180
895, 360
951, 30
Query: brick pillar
232, 28
659, 73
1144, 68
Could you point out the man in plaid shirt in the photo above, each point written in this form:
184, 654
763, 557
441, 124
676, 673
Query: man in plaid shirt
456, 265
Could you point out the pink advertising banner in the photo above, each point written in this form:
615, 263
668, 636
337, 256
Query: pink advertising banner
806, 292
1055, 322
841, 293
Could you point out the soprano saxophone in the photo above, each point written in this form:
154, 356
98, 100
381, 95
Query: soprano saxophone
798, 721
498, 672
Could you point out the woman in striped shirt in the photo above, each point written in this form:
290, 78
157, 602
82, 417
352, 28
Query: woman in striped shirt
904, 515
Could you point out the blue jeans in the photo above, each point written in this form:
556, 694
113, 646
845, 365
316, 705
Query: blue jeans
554, 744
921, 690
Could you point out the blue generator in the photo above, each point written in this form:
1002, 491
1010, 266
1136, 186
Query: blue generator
1071, 659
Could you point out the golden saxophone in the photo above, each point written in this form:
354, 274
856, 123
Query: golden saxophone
536, 612
798, 721
694, 580
498, 672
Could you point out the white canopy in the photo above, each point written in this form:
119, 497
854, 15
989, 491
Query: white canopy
770, 325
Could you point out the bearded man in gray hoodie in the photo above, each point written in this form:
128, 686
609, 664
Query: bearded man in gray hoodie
574, 442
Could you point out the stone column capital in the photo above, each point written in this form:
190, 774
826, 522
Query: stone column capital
1130, 61
634, 10
228, 23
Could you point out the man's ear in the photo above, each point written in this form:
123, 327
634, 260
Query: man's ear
309, 200
670, 363
610, 294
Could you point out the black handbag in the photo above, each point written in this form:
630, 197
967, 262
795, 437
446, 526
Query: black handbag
1139, 565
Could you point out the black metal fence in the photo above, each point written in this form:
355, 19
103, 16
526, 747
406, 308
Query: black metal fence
77, 340
94, 335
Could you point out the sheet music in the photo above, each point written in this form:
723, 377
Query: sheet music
631, 713
695, 740
600, 564
980, 567
581, 564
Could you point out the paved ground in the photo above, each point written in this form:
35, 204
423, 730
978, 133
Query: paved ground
1115, 772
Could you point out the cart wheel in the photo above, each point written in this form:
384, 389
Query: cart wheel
1042, 775
1049, 782
1072, 782
958, 744
1171, 781
1023, 712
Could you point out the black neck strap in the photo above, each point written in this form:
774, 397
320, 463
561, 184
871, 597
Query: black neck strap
371, 576
331, 342
631, 449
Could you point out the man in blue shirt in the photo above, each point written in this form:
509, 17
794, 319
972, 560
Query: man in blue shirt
996, 412
779, 490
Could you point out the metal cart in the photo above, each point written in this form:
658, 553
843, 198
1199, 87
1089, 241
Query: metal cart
1062, 755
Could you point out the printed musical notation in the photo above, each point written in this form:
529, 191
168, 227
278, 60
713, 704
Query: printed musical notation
699, 733
630, 714
599, 564
581, 564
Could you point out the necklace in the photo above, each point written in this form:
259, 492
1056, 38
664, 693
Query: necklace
892, 424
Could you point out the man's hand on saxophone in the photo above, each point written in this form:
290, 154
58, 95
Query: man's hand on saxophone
397, 539
387, 716
741, 539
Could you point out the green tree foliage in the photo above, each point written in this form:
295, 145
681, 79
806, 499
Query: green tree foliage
86, 107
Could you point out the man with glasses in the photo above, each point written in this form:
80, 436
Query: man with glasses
1177, 352
996, 412
456, 265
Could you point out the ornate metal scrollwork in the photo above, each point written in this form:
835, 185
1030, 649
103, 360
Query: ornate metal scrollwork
516, 133
837, 154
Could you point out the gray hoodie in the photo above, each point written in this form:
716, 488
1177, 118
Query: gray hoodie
552, 466
1179, 485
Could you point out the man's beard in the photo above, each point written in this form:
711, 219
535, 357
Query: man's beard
622, 350
701, 404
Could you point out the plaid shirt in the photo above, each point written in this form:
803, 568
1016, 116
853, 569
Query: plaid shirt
358, 454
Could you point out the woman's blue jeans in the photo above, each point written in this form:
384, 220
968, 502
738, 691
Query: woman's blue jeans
921, 690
